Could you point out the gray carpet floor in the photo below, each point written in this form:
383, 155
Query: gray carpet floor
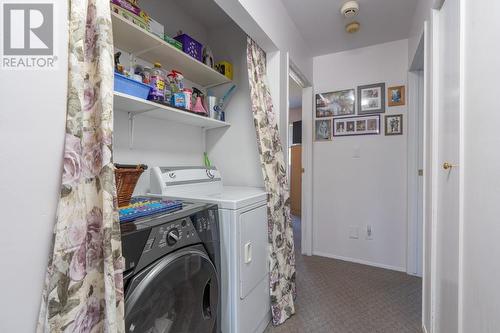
335, 296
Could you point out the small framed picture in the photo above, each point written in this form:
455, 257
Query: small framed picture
337, 103
323, 130
394, 124
371, 98
356, 125
396, 96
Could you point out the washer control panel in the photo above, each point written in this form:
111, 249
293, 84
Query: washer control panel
154, 239
171, 235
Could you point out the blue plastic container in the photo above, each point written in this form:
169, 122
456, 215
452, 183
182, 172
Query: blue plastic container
131, 87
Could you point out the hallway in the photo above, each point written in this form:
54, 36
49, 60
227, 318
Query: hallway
343, 297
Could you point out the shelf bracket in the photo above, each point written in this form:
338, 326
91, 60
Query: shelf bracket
131, 123
131, 117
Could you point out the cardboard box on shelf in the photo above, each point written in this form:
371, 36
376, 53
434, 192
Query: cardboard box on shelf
225, 68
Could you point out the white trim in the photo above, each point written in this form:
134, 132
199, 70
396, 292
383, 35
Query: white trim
461, 168
425, 152
414, 111
434, 160
307, 125
438, 4
424, 329
360, 261
307, 164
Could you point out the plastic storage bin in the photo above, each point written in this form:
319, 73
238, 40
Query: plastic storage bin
128, 86
190, 46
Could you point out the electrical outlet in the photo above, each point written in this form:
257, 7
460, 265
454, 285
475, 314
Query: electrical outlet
353, 232
369, 232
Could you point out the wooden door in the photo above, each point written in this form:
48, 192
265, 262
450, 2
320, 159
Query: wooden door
296, 180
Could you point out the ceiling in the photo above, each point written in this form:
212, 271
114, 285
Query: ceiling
322, 25
208, 13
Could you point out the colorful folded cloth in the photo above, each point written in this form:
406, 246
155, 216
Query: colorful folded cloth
144, 206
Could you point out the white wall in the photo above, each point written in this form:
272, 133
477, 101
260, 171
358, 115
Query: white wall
174, 18
32, 123
234, 150
481, 227
268, 23
295, 115
156, 142
273, 17
371, 189
423, 12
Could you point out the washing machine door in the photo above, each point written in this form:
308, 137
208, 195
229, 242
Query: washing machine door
177, 294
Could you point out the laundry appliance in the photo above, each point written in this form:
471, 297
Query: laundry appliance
172, 271
245, 298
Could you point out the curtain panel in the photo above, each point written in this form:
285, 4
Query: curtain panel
83, 289
280, 232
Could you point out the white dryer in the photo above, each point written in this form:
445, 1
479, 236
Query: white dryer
244, 242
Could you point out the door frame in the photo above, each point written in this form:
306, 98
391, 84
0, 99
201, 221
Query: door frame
307, 135
434, 161
416, 110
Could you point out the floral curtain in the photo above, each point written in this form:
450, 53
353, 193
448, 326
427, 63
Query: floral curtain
84, 287
280, 232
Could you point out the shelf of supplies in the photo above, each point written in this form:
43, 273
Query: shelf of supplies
132, 39
135, 106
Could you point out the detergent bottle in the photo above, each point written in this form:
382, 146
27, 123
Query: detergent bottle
157, 82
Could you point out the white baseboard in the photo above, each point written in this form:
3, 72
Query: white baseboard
415, 274
360, 261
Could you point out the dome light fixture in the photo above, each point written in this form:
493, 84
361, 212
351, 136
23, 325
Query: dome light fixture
352, 27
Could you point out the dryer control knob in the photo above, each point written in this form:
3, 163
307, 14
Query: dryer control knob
173, 237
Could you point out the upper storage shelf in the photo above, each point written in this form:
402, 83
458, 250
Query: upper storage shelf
130, 38
135, 106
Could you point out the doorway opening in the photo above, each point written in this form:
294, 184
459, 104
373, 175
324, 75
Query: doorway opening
418, 254
294, 146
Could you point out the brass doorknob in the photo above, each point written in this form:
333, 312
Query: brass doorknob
448, 166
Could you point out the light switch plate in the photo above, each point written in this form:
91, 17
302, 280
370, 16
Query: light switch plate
369, 232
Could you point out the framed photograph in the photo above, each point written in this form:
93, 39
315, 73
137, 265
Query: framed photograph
396, 96
394, 124
363, 125
337, 103
323, 130
371, 98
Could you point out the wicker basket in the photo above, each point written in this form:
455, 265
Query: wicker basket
126, 177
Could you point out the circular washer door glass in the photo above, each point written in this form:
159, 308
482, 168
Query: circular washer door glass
177, 294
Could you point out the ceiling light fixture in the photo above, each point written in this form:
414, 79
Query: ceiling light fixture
352, 27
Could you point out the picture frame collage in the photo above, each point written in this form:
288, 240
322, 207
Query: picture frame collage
358, 111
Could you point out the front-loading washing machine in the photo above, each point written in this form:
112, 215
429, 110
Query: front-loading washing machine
172, 271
